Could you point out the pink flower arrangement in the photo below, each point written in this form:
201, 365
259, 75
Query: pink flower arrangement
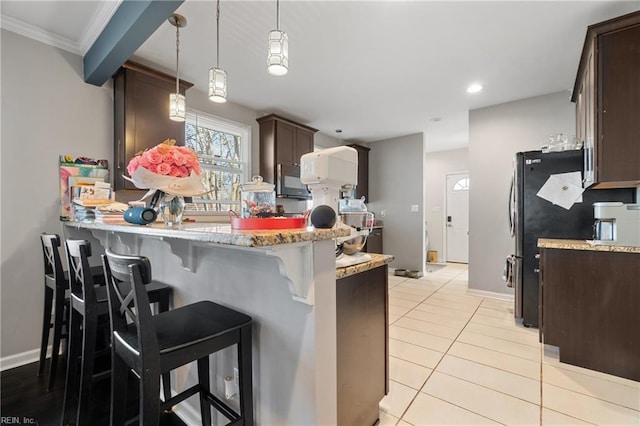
174, 170
166, 159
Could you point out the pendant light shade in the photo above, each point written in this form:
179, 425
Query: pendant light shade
217, 76
278, 48
278, 60
218, 85
177, 102
177, 107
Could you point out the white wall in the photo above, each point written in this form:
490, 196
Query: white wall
396, 181
495, 134
436, 167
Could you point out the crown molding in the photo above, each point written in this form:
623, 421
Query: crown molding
98, 22
38, 34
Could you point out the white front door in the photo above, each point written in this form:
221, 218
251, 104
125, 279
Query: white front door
457, 218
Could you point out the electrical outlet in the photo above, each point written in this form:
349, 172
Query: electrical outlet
415, 208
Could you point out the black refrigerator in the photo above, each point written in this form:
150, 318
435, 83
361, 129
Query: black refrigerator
533, 217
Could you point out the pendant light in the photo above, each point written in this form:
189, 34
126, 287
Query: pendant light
218, 76
278, 52
177, 102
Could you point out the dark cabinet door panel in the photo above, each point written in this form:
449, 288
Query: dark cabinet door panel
619, 153
590, 309
141, 115
361, 320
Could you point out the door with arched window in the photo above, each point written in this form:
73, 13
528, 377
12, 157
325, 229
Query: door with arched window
457, 218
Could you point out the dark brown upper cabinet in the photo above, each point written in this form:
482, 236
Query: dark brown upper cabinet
362, 189
141, 115
607, 97
282, 141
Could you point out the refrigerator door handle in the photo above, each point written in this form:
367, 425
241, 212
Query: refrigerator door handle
512, 206
508, 271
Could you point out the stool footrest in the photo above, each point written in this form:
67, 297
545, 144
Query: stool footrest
221, 406
187, 393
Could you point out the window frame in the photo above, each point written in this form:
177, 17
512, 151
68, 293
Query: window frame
204, 119
458, 186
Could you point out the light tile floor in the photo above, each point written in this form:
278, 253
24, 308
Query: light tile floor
460, 359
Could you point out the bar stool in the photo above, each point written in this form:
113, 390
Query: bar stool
56, 284
88, 308
151, 345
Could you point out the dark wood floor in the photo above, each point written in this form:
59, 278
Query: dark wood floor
25, 400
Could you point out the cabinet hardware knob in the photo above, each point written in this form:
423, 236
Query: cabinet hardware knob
537, 256
536, 270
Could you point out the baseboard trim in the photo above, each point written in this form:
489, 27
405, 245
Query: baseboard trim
491, 294
24, 358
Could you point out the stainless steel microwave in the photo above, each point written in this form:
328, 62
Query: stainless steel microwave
288, 182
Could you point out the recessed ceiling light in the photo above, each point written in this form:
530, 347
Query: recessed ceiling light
474, 88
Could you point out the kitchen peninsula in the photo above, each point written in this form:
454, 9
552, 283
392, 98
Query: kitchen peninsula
285, 280
590, 295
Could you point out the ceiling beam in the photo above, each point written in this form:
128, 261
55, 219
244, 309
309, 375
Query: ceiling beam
129, 27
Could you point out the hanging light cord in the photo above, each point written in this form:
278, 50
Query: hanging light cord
218, 35
278, 15
177, 58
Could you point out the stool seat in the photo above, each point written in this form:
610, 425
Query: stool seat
97, 273
190, 325
157, 290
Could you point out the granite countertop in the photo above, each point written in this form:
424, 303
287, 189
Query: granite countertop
376, 261
584, 245
220, 233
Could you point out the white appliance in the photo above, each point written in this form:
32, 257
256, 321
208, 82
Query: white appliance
617, 223
331, 174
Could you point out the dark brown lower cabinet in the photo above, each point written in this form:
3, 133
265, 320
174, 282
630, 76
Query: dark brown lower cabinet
591, 309
363, 350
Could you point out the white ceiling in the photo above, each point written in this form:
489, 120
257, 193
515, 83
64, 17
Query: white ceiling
376, 70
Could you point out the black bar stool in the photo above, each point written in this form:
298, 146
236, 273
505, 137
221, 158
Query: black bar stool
152, 345
56, 284
89, 309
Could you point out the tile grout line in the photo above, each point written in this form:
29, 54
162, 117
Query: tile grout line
541, 384
401, 418
486, 387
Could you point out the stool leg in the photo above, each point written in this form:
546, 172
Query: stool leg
163, 306
71, 383
204, 381
245, 376
119, 377
149, 397
46, 325
57, 333
86, 372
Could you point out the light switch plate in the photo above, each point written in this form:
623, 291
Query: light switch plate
415, 208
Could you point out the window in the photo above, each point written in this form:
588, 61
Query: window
461, 185
223, 148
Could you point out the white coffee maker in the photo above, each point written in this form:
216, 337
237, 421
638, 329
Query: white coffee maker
616, 223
